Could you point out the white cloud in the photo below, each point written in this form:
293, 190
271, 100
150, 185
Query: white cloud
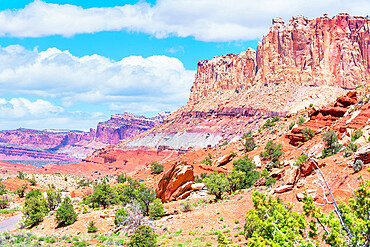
207, 20
136, 84
41, 114
92, 79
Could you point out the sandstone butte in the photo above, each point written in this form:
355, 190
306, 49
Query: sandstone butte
297, 64
25, 144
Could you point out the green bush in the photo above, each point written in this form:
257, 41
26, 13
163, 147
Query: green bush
156, 168
4, 202
272, 152
53, 198
270, 181
156, 209
236, 179
276, 119
331, 144
357, 166
2, 189
66, 215
291, 125
268, 124
249, 143
34, 209
221, 240
91, 228
350, 149
207, 160
301, 120
21, 175
32, 180
307, 134
21, 190
248, 167
216, 184
356, 134
103, 195
120, 216
144, 236
300, 159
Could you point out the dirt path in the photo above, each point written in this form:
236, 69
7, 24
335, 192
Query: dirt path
10, 223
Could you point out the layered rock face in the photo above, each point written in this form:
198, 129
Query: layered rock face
125, 126
297, 64
24, 144
324, 51
230, 72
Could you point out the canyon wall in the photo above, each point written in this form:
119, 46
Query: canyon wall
323, 51
24, 144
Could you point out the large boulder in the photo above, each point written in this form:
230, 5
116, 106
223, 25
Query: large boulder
291, 175
307, 167
223, 160
175, 181
363, 154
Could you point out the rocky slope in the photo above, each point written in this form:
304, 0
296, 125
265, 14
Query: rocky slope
24, 144
302, 63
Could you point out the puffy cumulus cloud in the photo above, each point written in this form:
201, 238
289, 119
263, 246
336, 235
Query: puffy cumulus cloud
156, 80
207, 20
41, 114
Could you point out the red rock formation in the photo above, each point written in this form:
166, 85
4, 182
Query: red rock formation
228, 72
323, 51
125, 126
175, 181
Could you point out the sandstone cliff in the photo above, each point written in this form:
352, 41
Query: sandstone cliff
298, 64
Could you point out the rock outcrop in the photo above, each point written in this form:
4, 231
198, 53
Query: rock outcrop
323, 51
175, 182
25, 144
125, 126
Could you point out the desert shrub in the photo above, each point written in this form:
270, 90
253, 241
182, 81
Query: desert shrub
207, 160
216, 184
356, 134
156, 209
268, 124
32, 180
33, 193
84, 210
2, 189
331, 144
249, 143
120, 216
186, 207
300, 159
66, 215
21, 190
307, 134
198, 179
21, 175
301, 120
83, 183
264, 173
91, 228
272, 152
248, 167
156, 168
4, 202
236, 179
270, 181
276, 119
34, 209
145, 197
53, 198
221, 239
144, 236
350, 149
357, 166
291, 125
103, 195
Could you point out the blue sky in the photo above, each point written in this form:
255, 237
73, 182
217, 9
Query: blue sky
70, 64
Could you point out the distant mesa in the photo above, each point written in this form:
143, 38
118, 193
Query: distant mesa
72, 145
